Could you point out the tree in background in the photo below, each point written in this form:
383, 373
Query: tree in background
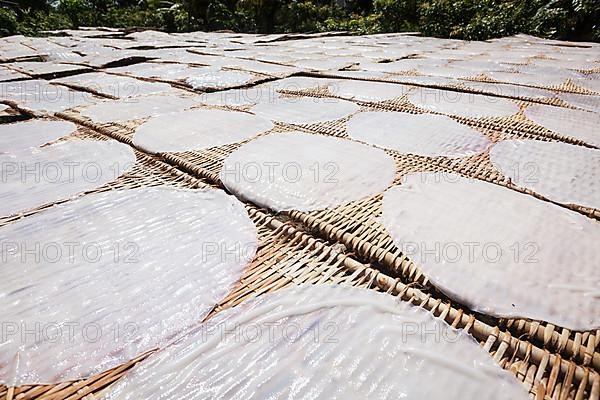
461, 19
397, 15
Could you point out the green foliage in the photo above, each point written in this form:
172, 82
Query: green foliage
245, 19
133, 17
397, 15
461, 19
171, 19
567, 19
473, 20
219, 16
444, 18
36, 21
362, 25
80, 12
303, 16
8, 22
477, 20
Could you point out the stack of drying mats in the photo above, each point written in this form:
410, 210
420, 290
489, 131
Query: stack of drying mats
219, 215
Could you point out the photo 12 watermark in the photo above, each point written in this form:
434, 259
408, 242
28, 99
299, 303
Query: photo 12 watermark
275, 92
69, 252
60, 172
67, 332
274, 171
472, 252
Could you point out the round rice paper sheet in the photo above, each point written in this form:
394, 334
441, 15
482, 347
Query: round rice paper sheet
301, 171
498, 251
103, 279
35, 177
326, 342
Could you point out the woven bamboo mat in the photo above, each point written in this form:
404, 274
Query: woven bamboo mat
512, 127
256, 79
144, 173
288, 255
408, 79
486, 87
479, 166
356, 225
75, 70
516, 127
88, 89
570, 86
11, 115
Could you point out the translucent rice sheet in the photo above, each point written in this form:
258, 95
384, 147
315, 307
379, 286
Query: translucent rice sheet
40, 68
589, 84
304, 110
137, 108
583, 101
219, 79
34, 177
93, 283
9, 74
561, 172
361, 74
300, 171
115, 85
463, 104
23, 135
528, 79
527, 258
368, 91
321, 342
167, 71
243, 96
424, 134
434, 81
507, 90
324, 63
258, 66
582, 125
40, 95
198, 129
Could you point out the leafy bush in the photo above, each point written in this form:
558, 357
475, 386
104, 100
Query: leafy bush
36, 21
505, 20
219, 16
397, 15
303, 16
80, 12
132, 17
173, 18
8, 22
245, 20
362, 25
461, 19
